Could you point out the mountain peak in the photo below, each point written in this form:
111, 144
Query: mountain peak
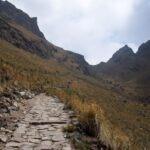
144, 50
125, 49
13, 15
126, 46
122, 55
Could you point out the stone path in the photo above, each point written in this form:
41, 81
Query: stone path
41, 128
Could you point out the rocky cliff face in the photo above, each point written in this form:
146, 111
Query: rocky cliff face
10, 13
144, 50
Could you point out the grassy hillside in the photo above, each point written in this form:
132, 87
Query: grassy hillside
119, 122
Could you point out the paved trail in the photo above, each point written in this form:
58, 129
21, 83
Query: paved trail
41, 128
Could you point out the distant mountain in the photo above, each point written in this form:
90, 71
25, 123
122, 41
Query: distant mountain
121, 66
127, 72
125, 65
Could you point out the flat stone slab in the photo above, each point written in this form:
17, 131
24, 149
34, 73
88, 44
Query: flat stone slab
13, 144
34, 141
58, 138
3, 138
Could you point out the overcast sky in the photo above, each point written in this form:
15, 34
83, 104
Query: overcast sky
94, 28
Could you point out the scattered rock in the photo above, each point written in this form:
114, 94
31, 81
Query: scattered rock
4, 106
10, 103
22, 93
26, 95
15, 104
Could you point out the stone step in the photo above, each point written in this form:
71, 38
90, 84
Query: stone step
47, 123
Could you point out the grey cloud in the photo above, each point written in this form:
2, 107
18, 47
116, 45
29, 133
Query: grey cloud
138, 30
94, 28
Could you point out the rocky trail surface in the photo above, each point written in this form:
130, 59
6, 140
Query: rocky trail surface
42, 127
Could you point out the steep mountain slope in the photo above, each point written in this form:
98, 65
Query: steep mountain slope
29, 61
13, 15
20, 30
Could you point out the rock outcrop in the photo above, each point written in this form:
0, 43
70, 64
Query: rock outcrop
10, 13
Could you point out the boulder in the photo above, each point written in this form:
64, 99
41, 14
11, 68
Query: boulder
13, 108
26, 95
4, 108
23, 93
3, 138
15, 104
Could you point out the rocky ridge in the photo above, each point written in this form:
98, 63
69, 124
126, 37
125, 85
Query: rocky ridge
10, 13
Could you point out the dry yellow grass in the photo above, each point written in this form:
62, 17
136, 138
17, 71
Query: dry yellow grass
103, 119
94, 122
101, 111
